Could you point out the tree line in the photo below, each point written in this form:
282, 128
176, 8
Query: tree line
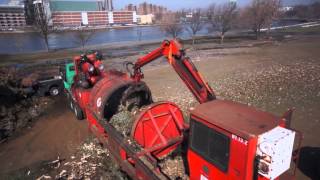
221, 18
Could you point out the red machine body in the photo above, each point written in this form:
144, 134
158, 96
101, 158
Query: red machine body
235, 129
227, 140
89, 70
239, 126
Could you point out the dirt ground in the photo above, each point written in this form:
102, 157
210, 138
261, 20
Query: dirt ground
272, 77
56, 133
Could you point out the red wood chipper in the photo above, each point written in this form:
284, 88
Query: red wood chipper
224, 139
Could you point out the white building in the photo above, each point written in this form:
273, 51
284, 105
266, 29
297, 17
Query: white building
145, 19
286, 8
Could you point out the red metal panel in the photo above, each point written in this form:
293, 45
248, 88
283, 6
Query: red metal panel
237, 118
250, 157
238, 150
159, 128
102, 91
82, 96
241, 158
198, 166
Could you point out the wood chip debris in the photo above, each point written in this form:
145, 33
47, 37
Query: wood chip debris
174, 167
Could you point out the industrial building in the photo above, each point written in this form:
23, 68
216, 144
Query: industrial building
130, 7
12, 15
146, 12
70, 13
146, 8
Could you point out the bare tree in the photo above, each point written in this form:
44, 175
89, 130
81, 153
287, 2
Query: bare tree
181, 14
171, 26
222, 18
29, 12
42, 22
315, 9
260, 14
195, 24
211, 12
83, 36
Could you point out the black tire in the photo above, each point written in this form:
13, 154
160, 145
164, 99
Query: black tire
54, 91
78, 112
70, 101
71, 105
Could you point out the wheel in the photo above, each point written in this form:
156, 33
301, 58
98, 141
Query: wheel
54, 91
78, 112
70, 101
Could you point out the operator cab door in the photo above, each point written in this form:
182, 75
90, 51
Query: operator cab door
214, 154
71, 73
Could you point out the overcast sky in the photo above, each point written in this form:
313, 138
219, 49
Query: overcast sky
179, 4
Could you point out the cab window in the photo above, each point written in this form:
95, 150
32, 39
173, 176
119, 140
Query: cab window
210, 144
71, 68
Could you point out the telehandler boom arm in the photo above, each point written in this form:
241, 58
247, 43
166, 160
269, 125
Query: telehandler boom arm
182, 64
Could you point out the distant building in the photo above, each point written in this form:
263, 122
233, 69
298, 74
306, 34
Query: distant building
146, 8
233, 3
189, 15
88, 13
286, 8
142, 9
145, 19
124, 17
76, 13
108, 5
81, 5
130, 7
12, 15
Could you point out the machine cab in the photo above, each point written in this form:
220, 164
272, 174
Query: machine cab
229, 140
68, 73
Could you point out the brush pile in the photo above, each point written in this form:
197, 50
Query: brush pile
18, 107
174, 167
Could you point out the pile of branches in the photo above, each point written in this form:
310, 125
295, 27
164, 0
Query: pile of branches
17, 107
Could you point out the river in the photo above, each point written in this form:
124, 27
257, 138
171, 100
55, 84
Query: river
13, 43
